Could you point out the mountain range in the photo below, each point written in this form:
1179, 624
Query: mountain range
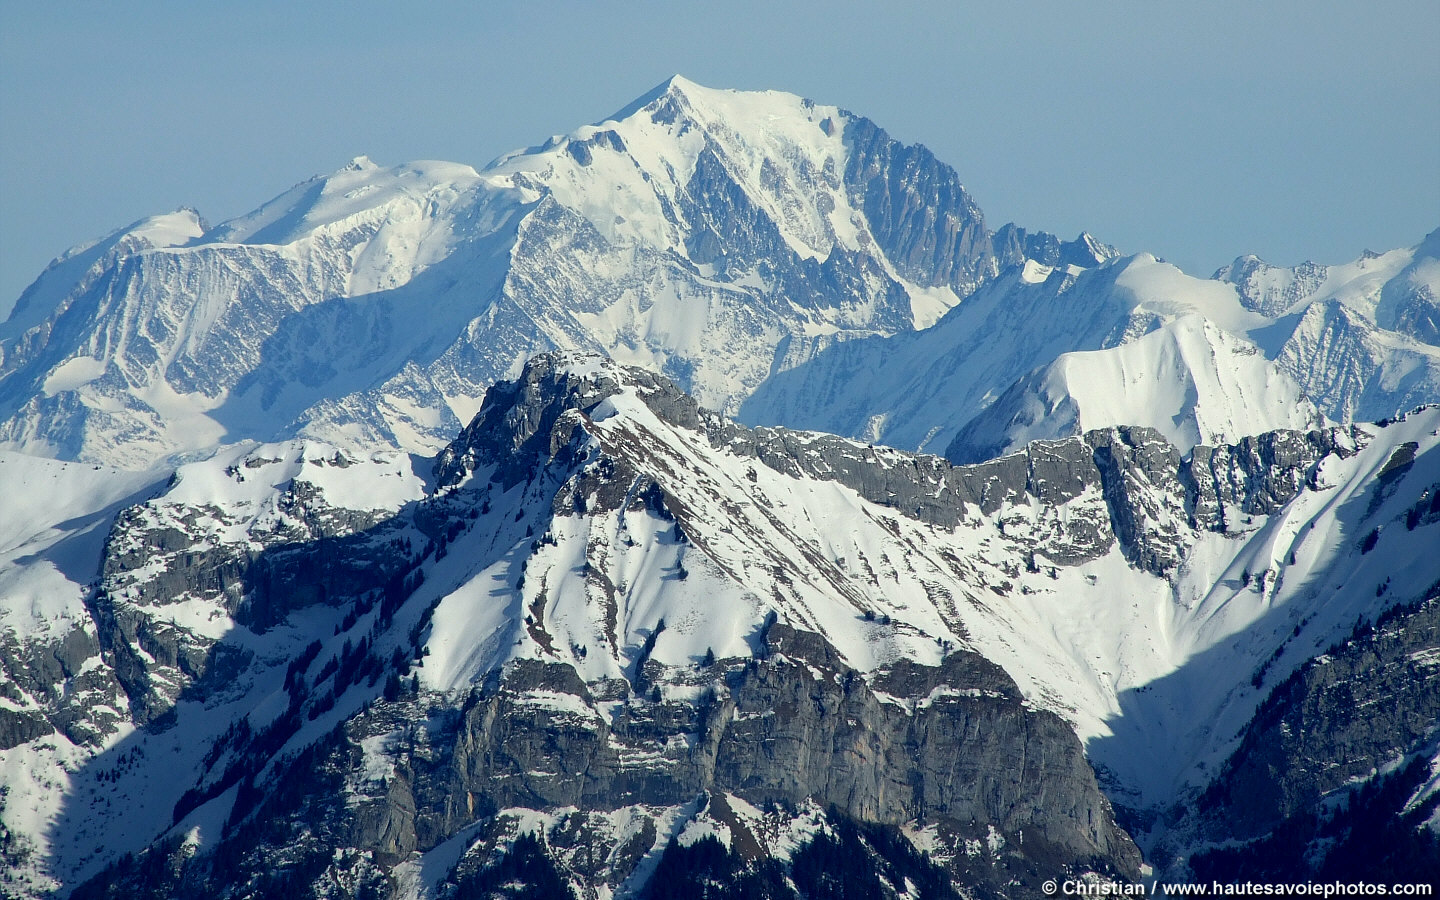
707, 500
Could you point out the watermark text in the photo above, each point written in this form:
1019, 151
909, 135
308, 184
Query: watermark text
1324, 890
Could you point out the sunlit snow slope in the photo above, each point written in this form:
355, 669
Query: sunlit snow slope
595, 518
716, 236
1189, 380
1337, 343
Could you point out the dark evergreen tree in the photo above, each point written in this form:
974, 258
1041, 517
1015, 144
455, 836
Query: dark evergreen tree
1366, 838
706, 870
850, 864
526, 872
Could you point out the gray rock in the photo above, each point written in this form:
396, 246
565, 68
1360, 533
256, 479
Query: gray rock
953, 743
1338, 720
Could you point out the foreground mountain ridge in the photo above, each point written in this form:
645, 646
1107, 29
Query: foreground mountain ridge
614, 572
354, 594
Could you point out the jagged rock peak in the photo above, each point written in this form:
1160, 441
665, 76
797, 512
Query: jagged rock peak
516, 423
794, 224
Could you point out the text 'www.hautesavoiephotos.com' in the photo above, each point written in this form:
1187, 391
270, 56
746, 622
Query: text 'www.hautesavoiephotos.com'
1087, 888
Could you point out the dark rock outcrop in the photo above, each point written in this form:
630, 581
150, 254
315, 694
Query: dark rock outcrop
794, 726
1339, 720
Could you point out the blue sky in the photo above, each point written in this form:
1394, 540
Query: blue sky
1199, 132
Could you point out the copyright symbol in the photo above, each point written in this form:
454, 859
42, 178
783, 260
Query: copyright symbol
1050, 888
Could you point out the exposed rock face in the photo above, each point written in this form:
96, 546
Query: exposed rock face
161, 555
778, 732
516, 426
373, 671
1369, 703
1013, 245
793, 726
1271, 290
77, 699
1260, 474
1133, 463
918, 210
1335, 775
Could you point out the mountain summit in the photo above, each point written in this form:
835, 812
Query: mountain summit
778, 258
611, 618
434, 533
716, 236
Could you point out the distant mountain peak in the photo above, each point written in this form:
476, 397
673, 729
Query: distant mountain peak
713, 235
722, 238
329, 637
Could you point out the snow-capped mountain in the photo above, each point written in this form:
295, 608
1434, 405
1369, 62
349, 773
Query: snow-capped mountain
1351, 340
605, 602
759, 248
1187, 379
1365, 340
716, 236
322, 572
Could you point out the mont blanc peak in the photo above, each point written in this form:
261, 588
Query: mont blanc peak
716, 236
572, 525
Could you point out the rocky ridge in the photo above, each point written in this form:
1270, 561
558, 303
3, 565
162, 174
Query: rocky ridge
713, 236
1048, 351
603, 590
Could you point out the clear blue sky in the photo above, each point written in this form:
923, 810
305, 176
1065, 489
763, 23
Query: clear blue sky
1197, 131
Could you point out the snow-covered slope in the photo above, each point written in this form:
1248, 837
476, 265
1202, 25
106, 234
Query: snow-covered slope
1190, 381
52, 527
175, 349
713, 235
1338, 335
72, 270
917, 390
593, 519
1363, 339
